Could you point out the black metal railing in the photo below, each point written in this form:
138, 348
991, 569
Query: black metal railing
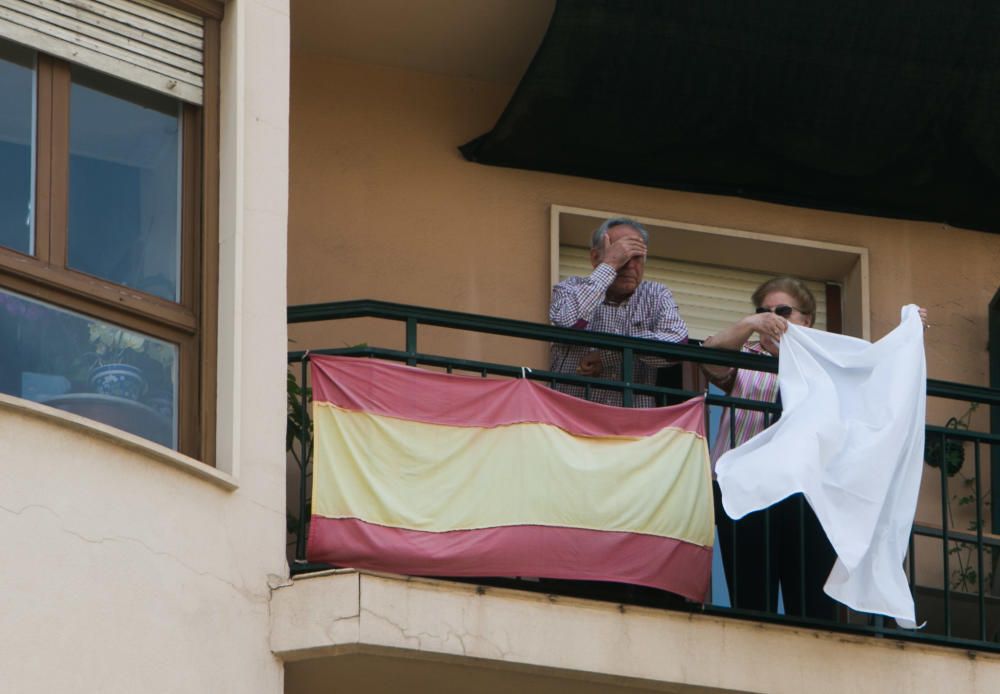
959, 588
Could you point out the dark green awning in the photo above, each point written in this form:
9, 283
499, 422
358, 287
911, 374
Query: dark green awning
883, 107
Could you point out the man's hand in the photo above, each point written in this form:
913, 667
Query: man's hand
617, 254
590, 365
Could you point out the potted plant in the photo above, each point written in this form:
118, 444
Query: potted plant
115, 350
940, 448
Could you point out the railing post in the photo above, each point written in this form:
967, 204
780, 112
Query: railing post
981, 570
911, 558
944, 536
767, 561
734, 583
304, 452
411, 340
994, 350
802, 556
627, 367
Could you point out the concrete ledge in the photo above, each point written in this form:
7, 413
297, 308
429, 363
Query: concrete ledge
90, 427
330, 615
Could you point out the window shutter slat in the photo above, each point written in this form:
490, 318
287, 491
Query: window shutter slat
710, 298
146, 43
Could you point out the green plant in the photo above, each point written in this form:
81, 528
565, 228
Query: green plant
965, 576
298, 418
114, 345
298, 422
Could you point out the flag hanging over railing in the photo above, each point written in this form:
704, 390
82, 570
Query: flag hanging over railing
424, 473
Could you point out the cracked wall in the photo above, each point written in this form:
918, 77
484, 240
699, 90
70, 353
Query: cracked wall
382, 630
123, 571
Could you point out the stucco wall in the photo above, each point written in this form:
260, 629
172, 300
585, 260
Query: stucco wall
129, 568
123, 573
383, 206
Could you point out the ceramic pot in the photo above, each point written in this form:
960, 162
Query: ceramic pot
118, 380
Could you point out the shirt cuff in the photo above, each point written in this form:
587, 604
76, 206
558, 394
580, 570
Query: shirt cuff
604, 274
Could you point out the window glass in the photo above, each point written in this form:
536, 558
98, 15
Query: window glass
89, 367
124, 184
17, 86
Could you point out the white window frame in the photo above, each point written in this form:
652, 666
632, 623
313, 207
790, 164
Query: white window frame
734, 248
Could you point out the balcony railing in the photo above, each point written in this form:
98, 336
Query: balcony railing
959, 590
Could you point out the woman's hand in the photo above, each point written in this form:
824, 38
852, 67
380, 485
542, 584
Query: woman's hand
767, 325
923, 316
770, 327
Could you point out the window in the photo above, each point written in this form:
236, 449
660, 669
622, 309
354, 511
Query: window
709, 297
106, 246
712, 271
89, 366
124, 184
17, 147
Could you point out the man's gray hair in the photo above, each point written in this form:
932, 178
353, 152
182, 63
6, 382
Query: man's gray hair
598, 238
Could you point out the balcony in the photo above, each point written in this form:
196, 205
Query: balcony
953, 551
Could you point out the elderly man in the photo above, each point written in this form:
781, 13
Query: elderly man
614, 299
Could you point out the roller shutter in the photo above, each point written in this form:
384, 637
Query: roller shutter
140, 41
709, 297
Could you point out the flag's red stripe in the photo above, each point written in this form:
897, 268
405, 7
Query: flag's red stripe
380, 387
520, 550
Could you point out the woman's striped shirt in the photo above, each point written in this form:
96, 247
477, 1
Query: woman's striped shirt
750, 385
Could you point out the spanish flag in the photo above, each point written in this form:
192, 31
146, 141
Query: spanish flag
423, 473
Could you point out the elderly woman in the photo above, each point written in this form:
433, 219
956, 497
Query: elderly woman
785, 543
787, 535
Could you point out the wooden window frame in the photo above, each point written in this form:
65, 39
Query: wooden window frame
191, 323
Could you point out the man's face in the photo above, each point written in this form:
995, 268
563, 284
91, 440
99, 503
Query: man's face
630, 274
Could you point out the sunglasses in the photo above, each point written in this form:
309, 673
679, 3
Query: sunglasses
781, 310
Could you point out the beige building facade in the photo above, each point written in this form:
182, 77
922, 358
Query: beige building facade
407, 219
135, 567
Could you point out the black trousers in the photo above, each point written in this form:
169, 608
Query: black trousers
782, 544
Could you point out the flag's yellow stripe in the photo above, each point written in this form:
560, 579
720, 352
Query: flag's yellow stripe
437, 478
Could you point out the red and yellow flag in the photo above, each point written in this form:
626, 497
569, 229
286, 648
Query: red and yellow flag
423, 473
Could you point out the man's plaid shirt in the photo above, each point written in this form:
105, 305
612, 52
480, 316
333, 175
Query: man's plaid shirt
650, 313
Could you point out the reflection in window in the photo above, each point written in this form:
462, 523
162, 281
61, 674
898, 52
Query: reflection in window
89, 367
17, 103
124, 188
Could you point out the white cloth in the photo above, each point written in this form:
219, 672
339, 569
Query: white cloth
851, 439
